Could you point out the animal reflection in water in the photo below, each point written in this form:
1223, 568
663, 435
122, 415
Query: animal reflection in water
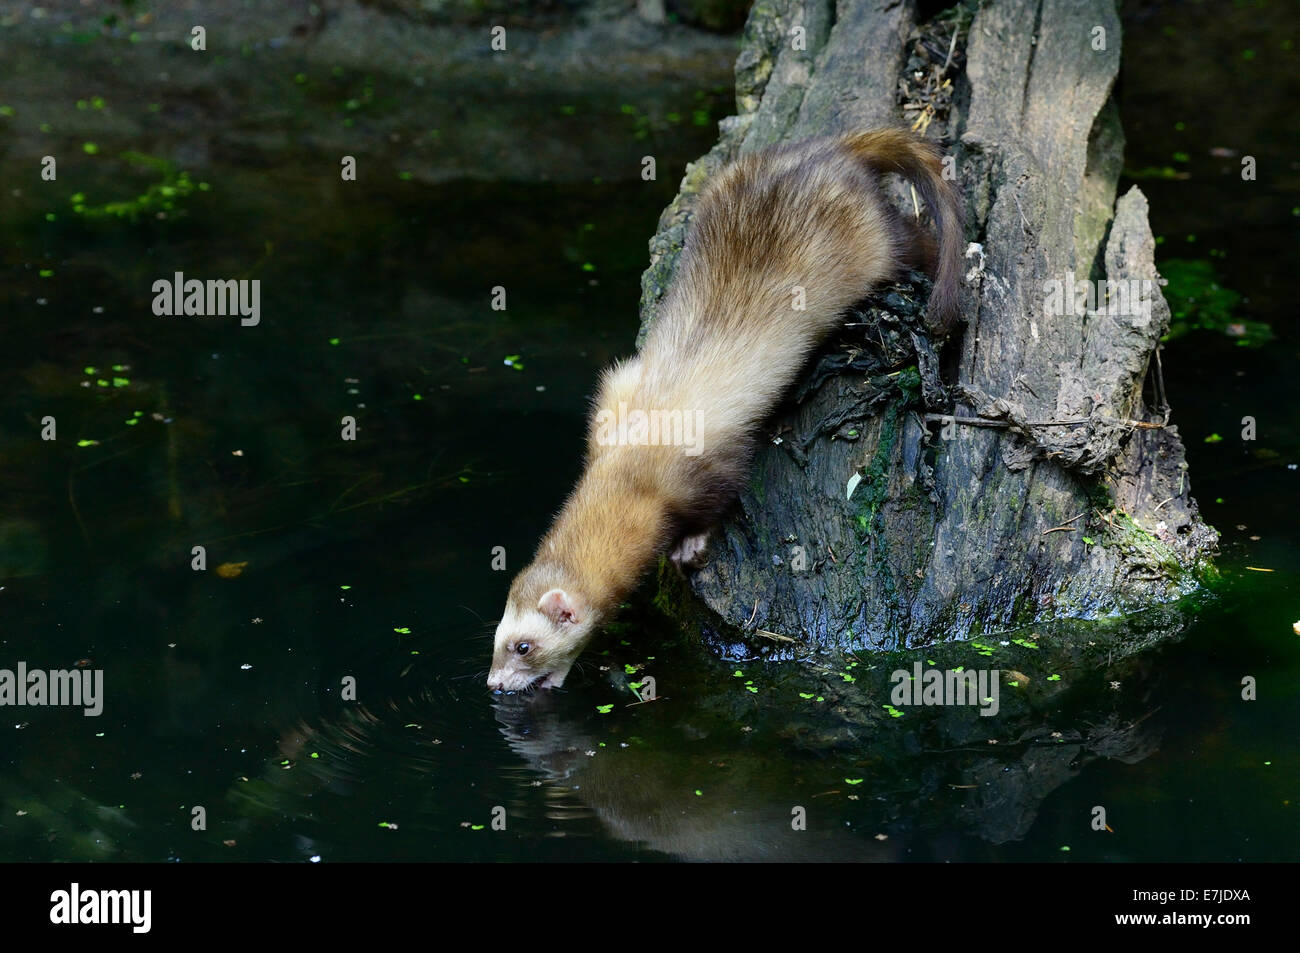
646, 794
941, 793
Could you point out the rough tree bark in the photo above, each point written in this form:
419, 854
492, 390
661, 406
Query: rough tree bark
1059, 490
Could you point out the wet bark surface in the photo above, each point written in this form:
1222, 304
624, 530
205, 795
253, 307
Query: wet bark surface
1029, 470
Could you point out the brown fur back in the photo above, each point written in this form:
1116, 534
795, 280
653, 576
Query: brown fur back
728, 340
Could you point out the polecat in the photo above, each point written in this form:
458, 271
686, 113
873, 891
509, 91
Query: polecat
781, 243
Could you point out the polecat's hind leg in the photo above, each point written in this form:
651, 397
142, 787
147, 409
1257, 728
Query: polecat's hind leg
689, 550
914, 246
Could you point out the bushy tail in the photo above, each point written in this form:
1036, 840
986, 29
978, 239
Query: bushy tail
893, 150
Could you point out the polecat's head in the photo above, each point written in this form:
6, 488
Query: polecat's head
543, 631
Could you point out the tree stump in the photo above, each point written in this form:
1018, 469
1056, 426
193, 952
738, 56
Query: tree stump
1025, 472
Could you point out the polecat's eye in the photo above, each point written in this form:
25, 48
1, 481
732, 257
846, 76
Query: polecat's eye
522, 648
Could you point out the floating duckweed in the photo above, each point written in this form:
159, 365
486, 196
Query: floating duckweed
159, 195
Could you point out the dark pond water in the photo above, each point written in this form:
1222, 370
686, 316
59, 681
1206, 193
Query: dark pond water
371, 559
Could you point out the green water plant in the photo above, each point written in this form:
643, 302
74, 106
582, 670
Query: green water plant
158, 198
1199, 301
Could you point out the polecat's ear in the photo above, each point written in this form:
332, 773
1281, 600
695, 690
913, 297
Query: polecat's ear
558, 607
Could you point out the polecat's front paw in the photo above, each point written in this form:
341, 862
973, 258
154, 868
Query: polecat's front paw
690, 551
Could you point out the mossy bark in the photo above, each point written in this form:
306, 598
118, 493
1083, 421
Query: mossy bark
1057, 492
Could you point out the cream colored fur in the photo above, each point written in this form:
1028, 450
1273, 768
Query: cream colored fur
726, 344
